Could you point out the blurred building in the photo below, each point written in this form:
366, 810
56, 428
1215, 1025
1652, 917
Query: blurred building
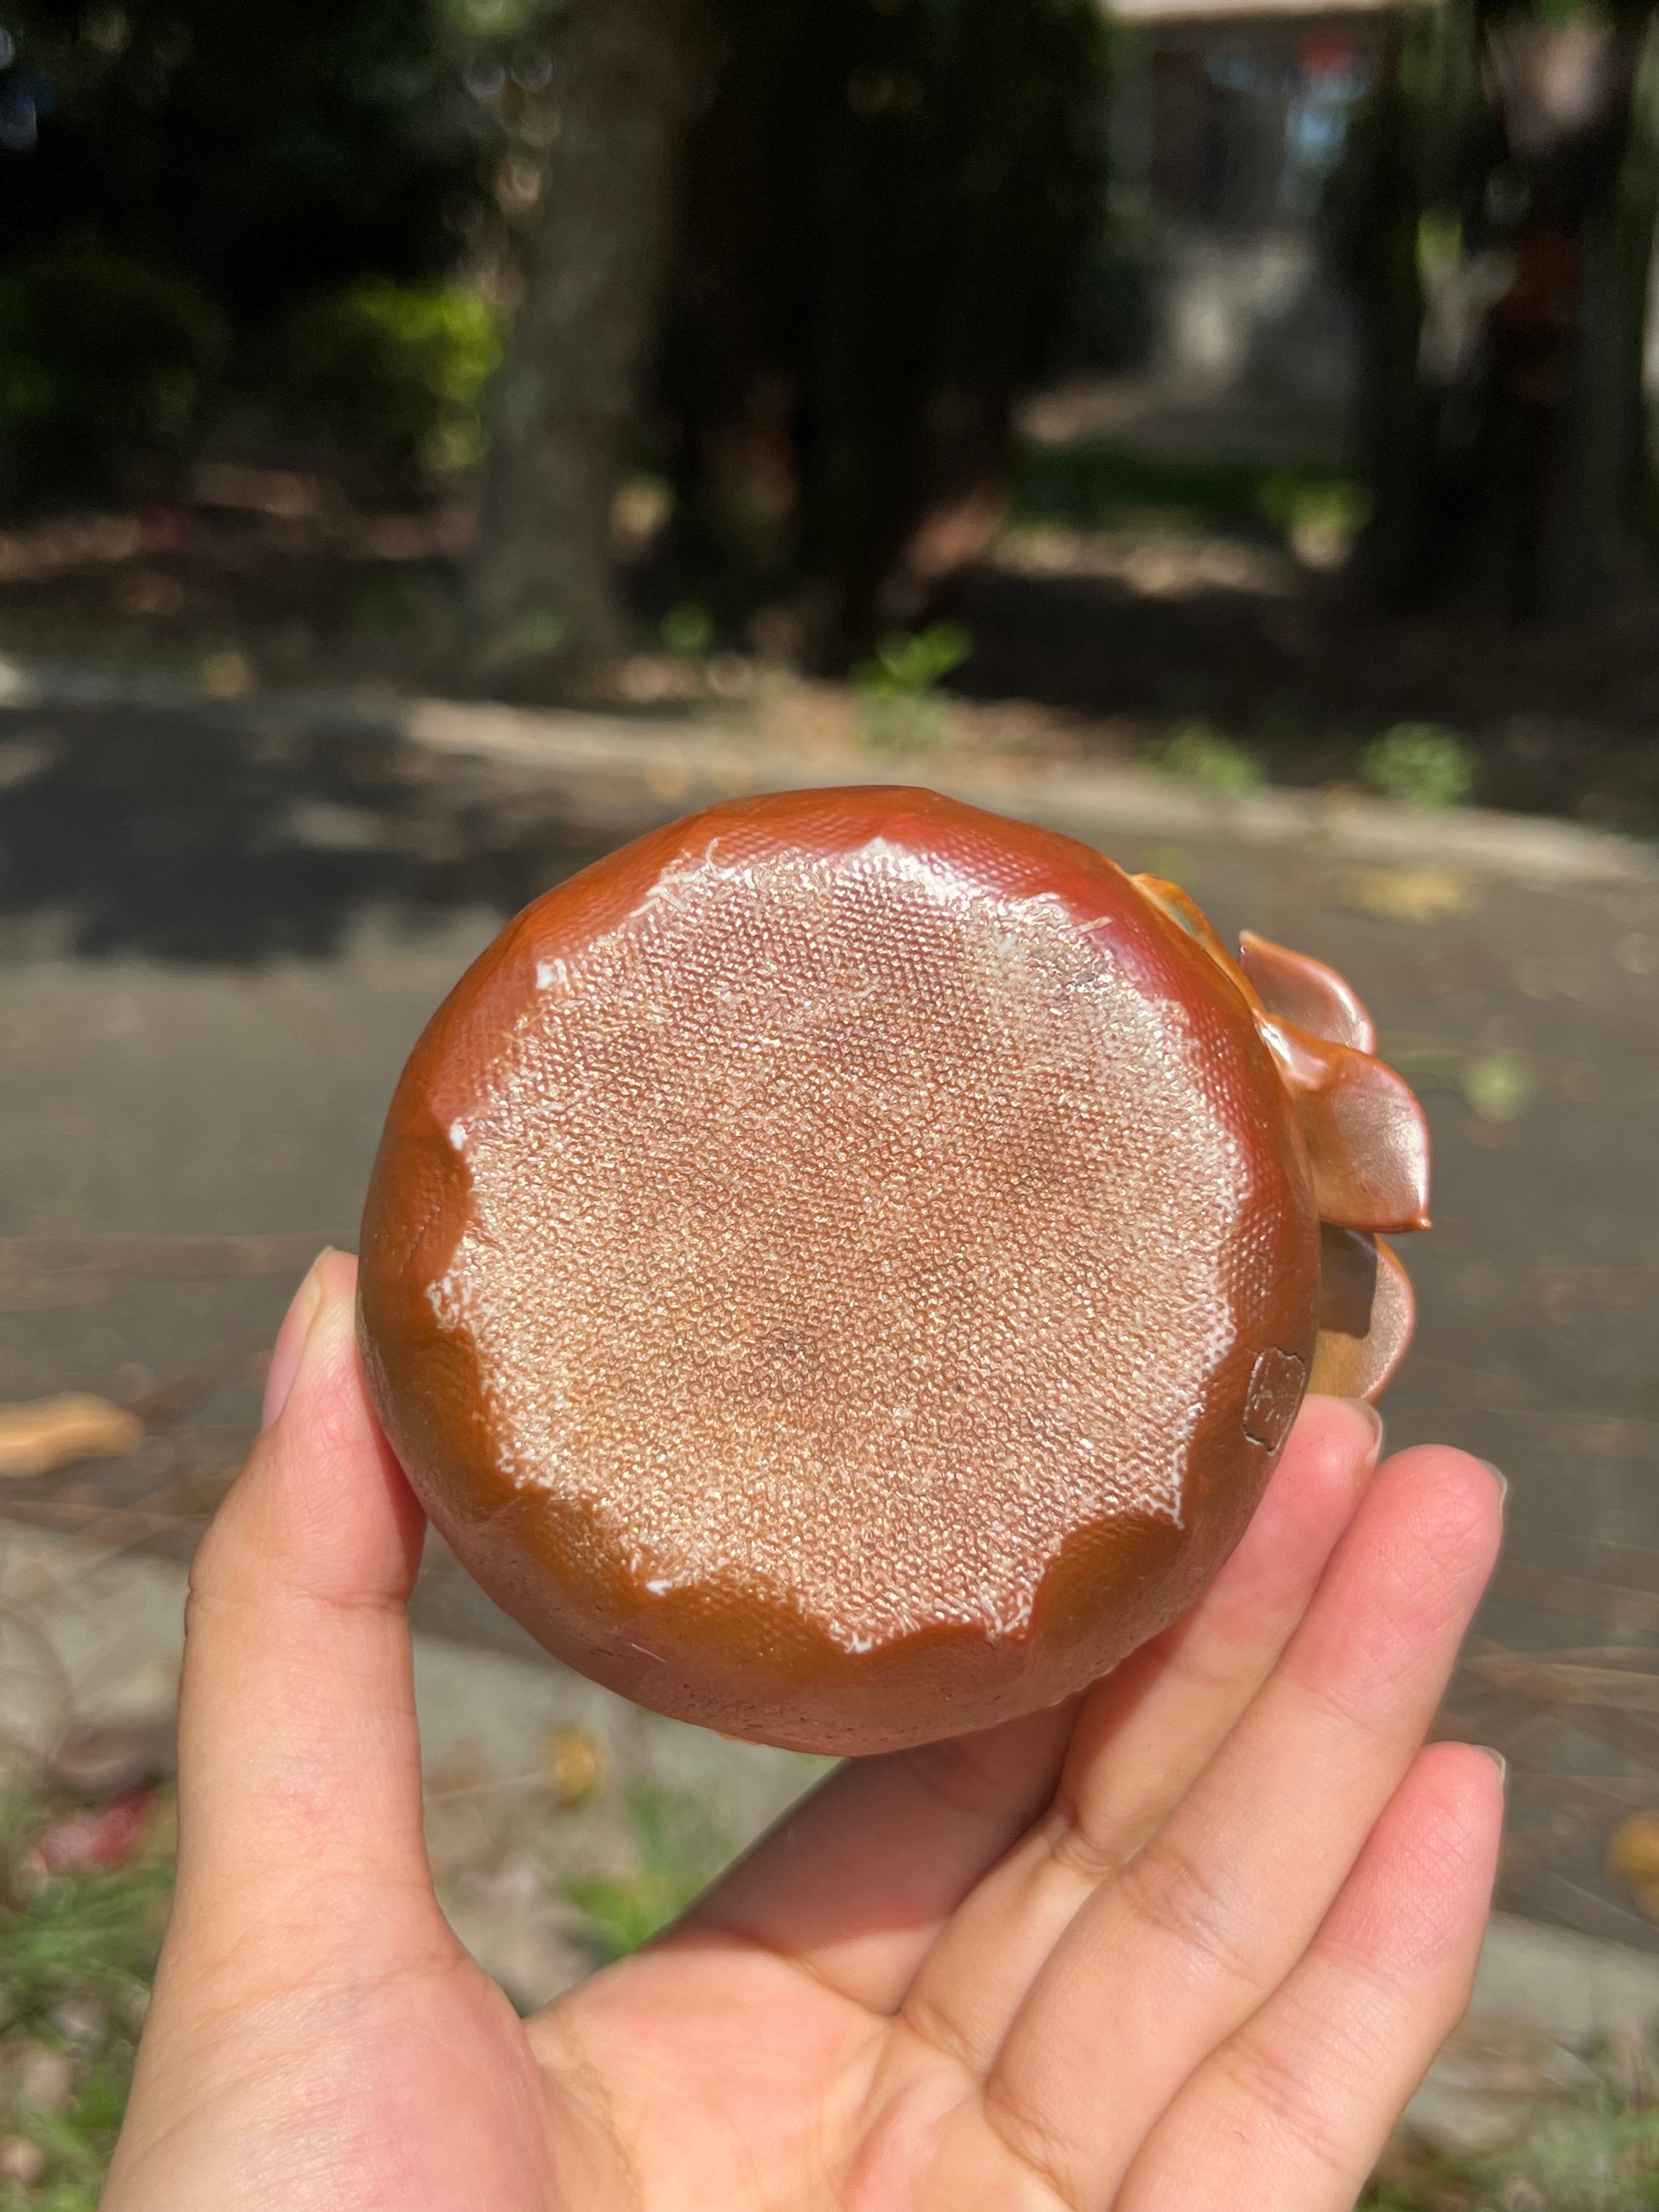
1231, 116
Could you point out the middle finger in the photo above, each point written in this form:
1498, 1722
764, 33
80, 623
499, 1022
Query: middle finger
1145, 1733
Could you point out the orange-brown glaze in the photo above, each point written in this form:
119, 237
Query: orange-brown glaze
1366, 1137
842, 1269
1305, 992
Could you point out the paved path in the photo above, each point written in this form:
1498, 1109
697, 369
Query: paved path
219, 936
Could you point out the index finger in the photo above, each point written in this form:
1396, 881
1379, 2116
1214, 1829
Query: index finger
299, 1755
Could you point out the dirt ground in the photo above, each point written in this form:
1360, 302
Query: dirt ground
1135, 594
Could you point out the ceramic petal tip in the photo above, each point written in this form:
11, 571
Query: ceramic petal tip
1305, 991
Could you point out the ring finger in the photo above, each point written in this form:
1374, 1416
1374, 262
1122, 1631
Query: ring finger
1209, 1918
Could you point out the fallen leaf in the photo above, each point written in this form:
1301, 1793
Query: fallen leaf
225, 675
1415, 894
47, 1433
1633, 1859
574, 1762
1499, 1086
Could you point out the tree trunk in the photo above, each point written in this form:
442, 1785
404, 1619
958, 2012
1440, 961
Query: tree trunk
543, 581
1505, 283
1612, 468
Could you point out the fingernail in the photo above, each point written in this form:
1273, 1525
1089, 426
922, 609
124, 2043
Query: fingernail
1496, 1759
291, 1340
1364, 1407
1503, 1482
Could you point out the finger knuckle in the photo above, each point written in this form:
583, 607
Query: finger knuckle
1280, 2093
1034, 2142
1178, 1898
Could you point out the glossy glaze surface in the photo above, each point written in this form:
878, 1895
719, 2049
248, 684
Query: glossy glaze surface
841, 1269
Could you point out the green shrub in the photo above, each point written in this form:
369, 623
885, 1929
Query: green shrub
394, 376
1203, 755
687, 631
1322, 518
896, 687
1421, 764
103, 360
1093, 485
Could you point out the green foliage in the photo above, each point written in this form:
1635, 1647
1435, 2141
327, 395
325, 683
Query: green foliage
395, 374
906, 665
58, 2196
896, 687
1607, 2163
102, 358
540, 633
687, 630
1320, 516
495, 20
1203, 755
89, 1941
1421, 764
269, 152
1094, 486
1586, 2161
196, 170
679, 1851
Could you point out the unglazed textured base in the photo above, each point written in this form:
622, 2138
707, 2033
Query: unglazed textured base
842, 1268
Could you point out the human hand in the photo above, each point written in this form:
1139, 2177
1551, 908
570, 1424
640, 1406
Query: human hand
1187, 1942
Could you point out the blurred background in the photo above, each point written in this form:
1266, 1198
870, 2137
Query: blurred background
439, 439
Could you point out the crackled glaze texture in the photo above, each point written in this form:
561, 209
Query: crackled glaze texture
841, 1269
789, 1199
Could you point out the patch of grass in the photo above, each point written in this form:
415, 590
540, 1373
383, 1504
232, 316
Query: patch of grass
1601, 2160
76, 1953
1422, 764
1096, 487
896, 687
1200, 754
395, 374
678, 1850
687, 631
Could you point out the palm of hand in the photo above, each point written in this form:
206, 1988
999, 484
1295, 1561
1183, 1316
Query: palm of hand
1189, 1942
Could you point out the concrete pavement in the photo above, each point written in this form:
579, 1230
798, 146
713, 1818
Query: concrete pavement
220, 933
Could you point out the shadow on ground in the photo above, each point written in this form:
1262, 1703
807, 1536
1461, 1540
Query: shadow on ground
176, 836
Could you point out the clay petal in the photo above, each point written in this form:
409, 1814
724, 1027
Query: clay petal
1366, 1313
1187, 914
1306, 991
1367, 1142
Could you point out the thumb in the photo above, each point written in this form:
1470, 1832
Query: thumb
298, 1757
